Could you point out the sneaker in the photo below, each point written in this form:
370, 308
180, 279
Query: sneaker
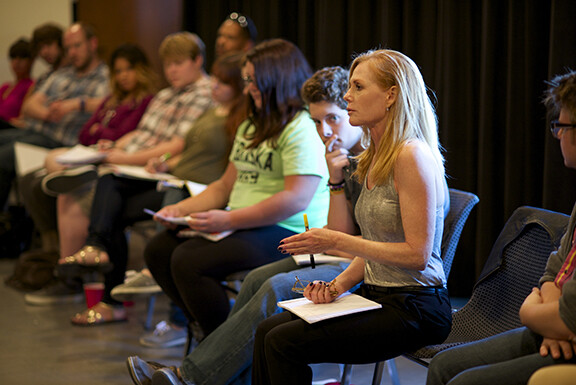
141, 371
136, 284
62, 182
164, 336
168, 376
55, 294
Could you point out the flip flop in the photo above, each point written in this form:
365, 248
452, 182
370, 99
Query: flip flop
95, 317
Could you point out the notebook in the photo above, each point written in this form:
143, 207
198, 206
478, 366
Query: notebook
345, 304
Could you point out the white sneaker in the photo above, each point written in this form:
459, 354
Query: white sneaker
164, 336
135, 284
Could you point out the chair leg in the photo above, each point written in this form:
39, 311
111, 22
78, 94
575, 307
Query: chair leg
150, 312
346, 374
393, 372
377, 378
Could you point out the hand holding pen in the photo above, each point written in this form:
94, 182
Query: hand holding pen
312, 241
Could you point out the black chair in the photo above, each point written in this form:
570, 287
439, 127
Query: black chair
515, 265
461, 204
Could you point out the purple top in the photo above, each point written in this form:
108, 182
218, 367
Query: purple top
113, 122
11, 103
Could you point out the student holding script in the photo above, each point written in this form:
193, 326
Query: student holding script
400, 213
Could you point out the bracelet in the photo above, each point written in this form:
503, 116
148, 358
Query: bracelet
332, 288
341, 183
337, 192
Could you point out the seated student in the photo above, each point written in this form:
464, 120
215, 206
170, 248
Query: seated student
170, 124
237, 33
57, 111
133, 84
264, 286
548, 313
47, 44
12, 94
276, 172
400, 212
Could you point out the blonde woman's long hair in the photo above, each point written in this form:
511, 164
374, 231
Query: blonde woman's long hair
411, 117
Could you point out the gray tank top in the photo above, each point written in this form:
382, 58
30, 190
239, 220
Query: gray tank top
378, 214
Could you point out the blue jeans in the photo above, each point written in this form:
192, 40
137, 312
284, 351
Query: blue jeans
225, 356
508, 358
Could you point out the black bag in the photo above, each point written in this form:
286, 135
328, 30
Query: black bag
33, 270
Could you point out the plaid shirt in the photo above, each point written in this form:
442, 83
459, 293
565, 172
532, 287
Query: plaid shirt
66, 84
171, 112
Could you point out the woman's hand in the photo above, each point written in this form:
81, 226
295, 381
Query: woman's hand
171, 211
321, 291
211, 221
313, 241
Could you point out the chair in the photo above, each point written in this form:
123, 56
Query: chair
461, 204
515, 265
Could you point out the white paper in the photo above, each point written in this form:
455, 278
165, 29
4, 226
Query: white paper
214, 237
137, 172
304, 259
80, 154
176, 220
195, 188
346, 303
29, 157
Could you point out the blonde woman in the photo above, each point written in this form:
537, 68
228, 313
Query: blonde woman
400, 212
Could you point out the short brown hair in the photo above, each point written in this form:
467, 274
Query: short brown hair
46, 34
561, 93
182, 44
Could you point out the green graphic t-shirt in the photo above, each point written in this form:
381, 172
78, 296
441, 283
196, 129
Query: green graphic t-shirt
261, 170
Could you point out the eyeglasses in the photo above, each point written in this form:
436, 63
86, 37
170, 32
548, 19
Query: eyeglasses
556, 127
238, 18
300, 286
247, 79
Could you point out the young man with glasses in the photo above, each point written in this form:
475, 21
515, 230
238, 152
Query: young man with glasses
548, 313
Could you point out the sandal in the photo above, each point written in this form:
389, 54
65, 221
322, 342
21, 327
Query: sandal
99, 314
87, 260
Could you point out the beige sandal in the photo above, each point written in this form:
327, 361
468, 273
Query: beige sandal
87, 259
99, 314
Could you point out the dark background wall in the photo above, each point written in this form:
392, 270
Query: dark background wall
486, 62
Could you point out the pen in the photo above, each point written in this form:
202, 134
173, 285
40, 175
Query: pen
165, 157
312, 263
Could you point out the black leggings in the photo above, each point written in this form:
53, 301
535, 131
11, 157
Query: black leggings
190, 271
118, 203
285, 344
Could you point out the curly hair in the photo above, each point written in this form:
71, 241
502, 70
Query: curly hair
327, 85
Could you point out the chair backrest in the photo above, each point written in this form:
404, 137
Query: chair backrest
461, 204
515, 265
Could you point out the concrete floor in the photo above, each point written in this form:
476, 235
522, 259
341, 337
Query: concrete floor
38, 345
